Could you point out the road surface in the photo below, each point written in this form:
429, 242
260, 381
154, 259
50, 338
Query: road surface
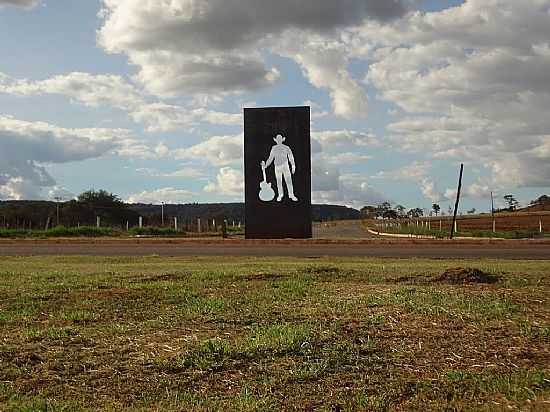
373, 248
347, 229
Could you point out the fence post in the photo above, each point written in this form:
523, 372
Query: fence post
141, 222
98, 221
494, 226
199, 225
540, 225
127, 226
176, 224
456, 226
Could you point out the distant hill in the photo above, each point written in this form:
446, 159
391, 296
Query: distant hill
35, 214
235, 211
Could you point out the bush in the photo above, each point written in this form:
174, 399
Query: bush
155, 231
60, 231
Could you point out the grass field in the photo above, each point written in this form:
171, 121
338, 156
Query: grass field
272, 334
444, 234
87, 231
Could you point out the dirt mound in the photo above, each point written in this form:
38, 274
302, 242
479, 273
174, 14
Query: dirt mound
466, 275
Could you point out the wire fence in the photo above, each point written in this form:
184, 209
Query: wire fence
528, 223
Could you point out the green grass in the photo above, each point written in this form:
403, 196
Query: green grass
441, 234
270, 334
60, 231
435, 303
88, 231
155, 231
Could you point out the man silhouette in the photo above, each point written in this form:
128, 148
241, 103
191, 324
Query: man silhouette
282, 154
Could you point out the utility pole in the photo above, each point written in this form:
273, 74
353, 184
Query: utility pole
58, 199
493, 212
453, 227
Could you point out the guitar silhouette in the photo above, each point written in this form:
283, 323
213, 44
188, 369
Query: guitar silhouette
267, 194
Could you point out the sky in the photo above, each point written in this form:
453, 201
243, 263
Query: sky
144, 98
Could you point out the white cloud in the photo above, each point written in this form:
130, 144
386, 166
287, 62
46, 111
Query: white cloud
339, 138
117, 92
350, 192
416, 171
58, 192
330, 186
430, 191
478, 191
168, 195
212, 46
162, 117
229, 182
26, 4
324, 63
217, 150
316, 111
90, 90
25, 147
348, 158
185, 172
474, 83
419, 172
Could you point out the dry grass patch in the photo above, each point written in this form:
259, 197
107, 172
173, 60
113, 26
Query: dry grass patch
206, 334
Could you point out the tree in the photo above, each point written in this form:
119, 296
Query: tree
472, 211
369, 212
382, 209
93, 203
436, 208
512, 202
417, 212
400, 210
541, 200
98, 197
390, 214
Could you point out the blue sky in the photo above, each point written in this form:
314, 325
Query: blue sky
144, 98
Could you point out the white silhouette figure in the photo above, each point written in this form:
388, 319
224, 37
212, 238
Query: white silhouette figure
282, 154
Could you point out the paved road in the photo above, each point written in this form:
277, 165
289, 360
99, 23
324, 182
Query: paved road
349, 229
522, 250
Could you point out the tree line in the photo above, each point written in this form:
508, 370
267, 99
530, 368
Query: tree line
112, 211
386, 211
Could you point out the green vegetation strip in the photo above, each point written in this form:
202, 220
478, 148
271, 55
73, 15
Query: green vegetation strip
442, 234
270, 334
87, 231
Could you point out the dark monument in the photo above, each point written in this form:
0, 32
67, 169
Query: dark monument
277, 163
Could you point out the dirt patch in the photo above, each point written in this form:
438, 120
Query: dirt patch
323, 271
411, 279
264, 276
103, 293
466, 275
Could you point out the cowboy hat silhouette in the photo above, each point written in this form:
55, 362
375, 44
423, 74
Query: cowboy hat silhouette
279, 139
